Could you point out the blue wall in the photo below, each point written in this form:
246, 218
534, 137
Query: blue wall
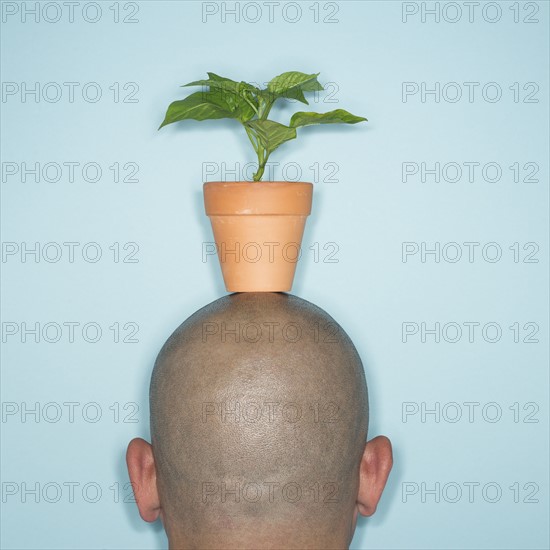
429, 83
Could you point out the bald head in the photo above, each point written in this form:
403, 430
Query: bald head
259, 417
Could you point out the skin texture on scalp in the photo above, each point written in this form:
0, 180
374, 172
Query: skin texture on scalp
259, 415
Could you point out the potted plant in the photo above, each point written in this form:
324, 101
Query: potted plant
258, 226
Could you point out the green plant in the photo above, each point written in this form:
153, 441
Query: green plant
250, 106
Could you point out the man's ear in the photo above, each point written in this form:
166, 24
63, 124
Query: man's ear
374, 470
143, 476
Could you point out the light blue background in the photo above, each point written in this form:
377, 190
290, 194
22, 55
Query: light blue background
368, 213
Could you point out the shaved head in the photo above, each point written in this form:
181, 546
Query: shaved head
259, 416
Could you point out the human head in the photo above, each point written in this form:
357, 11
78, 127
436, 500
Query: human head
259, 416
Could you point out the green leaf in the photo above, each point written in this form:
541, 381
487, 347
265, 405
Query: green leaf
339, 116
294, 79
215, 81
233, 93
295, 93
199, 106
271, 134
313, 85
225, 84
248, 109
292, 85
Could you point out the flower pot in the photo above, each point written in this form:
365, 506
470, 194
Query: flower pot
258, 229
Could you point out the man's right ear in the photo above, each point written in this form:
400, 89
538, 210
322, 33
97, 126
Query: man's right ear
143, 476
374, 470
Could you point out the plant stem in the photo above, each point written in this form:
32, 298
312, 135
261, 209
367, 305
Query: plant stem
250, 103
262, 160
265, 107
252, 137
262, 154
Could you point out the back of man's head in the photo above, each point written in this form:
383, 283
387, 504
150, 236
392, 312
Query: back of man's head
259, 417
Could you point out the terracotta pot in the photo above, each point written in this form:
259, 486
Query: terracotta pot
258, 229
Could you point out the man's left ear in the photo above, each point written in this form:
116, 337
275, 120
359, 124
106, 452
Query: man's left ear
374, 470
143, 476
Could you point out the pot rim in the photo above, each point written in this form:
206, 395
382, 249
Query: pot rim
223, 198
243, 182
